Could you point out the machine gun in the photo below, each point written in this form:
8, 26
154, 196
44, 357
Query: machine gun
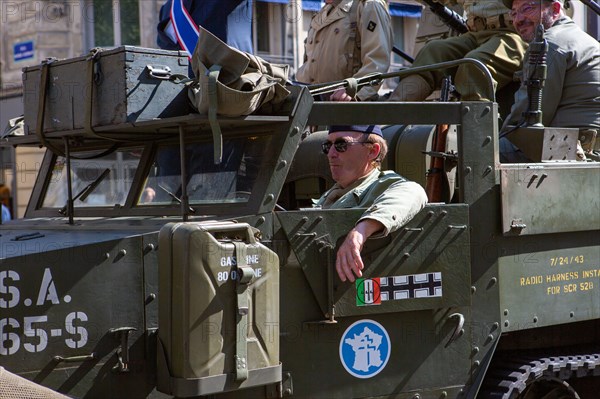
535, 83
448, 16
352, 85
534, 140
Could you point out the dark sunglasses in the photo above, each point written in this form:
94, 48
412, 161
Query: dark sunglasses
340, 145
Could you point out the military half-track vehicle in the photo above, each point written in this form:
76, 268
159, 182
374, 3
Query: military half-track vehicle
143, 269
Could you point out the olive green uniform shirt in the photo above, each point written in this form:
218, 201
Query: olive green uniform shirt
331, 46
389, 198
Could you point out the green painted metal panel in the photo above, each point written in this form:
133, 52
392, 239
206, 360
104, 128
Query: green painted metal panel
434, 245
548, 287
477, 146
420, 329
60, 308
539, 198
421, 358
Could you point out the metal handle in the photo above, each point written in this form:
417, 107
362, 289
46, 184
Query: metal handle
74, 359
162, 72
230, 231
458, 330
122, 334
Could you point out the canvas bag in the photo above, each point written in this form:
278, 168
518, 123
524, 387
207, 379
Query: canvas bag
236, 83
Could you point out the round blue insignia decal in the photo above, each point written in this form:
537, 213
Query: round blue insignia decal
365, 348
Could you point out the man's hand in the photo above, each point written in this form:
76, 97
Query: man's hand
340, 95
348, 262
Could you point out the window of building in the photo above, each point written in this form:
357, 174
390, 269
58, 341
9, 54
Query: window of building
262, 28
112, 23
398, 32
273, 32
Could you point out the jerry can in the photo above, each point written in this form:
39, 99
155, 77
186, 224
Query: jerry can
219, 309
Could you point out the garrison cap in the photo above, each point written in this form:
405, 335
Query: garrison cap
509, 3
368, 129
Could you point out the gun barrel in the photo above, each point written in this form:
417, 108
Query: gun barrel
377, 78
448, 16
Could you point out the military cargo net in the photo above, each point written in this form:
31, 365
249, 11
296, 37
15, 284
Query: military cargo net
14, 387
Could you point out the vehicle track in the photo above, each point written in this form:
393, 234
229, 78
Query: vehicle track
513, 374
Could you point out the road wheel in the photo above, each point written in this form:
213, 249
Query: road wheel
549, 388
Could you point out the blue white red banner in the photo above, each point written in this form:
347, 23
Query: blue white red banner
186, 30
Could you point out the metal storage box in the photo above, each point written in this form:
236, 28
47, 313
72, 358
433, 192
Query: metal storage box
219, 309
120, 85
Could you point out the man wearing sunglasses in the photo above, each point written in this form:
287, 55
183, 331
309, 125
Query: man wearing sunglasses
355, 154
571, 93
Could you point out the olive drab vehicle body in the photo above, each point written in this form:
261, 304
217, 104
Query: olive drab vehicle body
142, 269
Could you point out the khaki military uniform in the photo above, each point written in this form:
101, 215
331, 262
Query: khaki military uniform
348, 38
390, 198
491, 39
